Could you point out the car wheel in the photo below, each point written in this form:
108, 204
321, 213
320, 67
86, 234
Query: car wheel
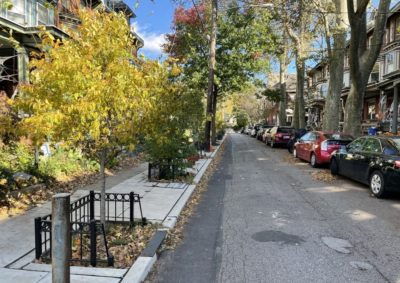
377, 184
334, 167
313, 160
295, 152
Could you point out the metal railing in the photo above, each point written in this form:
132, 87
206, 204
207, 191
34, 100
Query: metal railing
84, 216
159, 171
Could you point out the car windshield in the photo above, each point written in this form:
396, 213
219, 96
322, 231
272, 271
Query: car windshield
395, 143
337, 136
286, 130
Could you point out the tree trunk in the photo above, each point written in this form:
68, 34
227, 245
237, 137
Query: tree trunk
332, 106
282, 84
36, 159
354, 109
103, 155
362, 60
211, 71
214, 116
295, 119
299, 117
332, 103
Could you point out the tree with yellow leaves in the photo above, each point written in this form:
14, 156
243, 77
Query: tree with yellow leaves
86, 92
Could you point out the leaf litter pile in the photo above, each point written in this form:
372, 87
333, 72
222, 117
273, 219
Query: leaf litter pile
125, 244
291, 159
323, 175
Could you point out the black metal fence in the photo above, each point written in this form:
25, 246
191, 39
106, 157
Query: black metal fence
84, 216
163, 171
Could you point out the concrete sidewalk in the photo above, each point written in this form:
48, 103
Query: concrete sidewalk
161, 203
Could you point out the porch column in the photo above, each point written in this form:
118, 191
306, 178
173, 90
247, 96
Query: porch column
23, 60
395, 107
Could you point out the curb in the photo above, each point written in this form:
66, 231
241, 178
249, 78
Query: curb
144, 263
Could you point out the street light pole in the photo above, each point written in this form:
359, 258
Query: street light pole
211, 71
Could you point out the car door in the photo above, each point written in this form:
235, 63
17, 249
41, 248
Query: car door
346, 158
370, 154
301, 145
271, 134
309, 145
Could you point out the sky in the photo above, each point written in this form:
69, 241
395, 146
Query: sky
153, 20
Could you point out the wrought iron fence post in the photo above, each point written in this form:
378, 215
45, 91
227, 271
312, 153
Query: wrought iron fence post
149, 172
91, 205
38, 237
131, 208
93, 237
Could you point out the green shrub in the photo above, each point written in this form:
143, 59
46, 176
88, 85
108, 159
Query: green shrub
17, 157
65, 162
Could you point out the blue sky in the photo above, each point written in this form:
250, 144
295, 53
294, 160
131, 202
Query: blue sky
153, 20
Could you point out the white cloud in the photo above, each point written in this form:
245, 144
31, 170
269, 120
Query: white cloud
152, 40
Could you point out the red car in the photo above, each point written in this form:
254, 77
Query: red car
279, 135
316, 147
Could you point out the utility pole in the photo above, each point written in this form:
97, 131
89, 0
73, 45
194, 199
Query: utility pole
211, 71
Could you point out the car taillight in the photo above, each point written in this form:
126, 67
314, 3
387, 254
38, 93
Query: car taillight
324, 145
397, 164
278, 136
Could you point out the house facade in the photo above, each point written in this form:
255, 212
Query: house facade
378, 106
21, 22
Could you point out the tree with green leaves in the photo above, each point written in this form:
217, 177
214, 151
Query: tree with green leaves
244, 42
86, 92
174, 120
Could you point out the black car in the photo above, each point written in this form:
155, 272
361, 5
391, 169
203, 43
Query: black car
297, 135
372, 160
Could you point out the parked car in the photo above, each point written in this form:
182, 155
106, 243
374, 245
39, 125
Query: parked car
279, 136
297, 135
255, 130
266, 133
372, 160
262, 130
316, 147
247, 131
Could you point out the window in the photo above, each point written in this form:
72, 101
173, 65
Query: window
371, 110
313, 137
306, 137
392, 30
389, 62
323, 91
346, 79
372, 145
356, 145
42, 16
17, 12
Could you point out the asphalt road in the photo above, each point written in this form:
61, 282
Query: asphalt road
264, 219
